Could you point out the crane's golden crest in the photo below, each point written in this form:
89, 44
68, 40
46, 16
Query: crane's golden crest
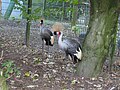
57, 27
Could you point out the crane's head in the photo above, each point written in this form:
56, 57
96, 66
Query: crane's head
41, 22
57, 33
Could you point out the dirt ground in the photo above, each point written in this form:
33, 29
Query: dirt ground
51, 72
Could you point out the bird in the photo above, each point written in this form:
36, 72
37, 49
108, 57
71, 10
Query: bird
70, 46
46, 36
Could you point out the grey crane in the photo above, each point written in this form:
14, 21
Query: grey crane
70, 47
46, 35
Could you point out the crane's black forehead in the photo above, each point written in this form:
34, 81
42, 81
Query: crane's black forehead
55, 33
42, 21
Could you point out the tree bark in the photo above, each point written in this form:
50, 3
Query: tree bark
101, 32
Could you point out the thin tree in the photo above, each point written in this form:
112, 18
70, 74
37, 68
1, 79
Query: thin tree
28, 23
100, 38
63, 11
9, 9
0, 6
43, 9
74, 14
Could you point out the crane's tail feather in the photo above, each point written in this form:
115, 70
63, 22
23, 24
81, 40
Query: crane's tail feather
78, 54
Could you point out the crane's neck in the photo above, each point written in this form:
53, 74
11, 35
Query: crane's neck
41, 27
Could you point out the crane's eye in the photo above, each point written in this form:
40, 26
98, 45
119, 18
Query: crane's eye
59, 33
55, 33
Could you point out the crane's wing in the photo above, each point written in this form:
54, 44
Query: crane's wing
46, 33
73, 48
71, 43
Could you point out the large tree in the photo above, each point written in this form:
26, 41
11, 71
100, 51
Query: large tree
100, 37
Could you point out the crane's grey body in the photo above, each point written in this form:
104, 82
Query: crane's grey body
71, 47
46, 35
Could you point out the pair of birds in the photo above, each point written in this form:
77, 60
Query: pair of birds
69, 46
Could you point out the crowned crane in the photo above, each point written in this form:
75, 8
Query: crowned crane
70, 47
46, 35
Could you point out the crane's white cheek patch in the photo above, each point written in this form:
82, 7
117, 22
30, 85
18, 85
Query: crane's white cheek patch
52, 40
78, 54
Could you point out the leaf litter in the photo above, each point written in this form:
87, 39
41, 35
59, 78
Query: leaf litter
51, 72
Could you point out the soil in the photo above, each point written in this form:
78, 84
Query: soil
47, 70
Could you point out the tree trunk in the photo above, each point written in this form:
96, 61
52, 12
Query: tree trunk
9, 9
28, 23
102, 30
63, 11
70, 13
43, 9
0, 6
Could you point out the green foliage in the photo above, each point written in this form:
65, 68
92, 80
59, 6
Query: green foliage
9, 69
76, 29
33, 16
53, 10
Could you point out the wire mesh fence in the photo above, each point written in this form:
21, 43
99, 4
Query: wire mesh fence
82, 20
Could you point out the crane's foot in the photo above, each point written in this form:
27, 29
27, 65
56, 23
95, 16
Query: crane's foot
65, 58
49, 56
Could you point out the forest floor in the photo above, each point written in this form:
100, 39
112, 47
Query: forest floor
51, 72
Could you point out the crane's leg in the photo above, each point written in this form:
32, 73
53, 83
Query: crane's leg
66, 56
74, 59
48, 49
42, 48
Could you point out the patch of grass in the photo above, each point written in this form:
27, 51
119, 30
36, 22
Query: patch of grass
9, 69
